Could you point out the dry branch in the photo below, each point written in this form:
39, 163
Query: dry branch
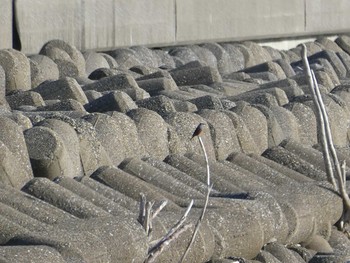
320, 118
172, 235
209, 187
327, 139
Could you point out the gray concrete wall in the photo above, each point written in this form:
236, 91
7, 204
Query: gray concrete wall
93, 24
5, 24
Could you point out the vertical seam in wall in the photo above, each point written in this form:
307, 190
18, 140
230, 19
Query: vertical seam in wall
305, 22
175, 20
114, 23
83, 28
16, 40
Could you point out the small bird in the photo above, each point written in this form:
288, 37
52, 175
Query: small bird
199, 130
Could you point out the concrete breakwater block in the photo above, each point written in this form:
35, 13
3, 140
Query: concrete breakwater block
62, 198
308, 154
122, 237
207, 102
183, 55
70, 246
94, 61
107, 232
112, 101
256, 123
289, 86
68, 51
199, 172
179, 175
62, 105
292, 161
106, 127
223, 133
204, 55
259, 169
149, 124
31, 232
242, 178
155, 85
320, 205
152, 175
306, 122
129, 127
17, 68
331, 57
42, 69
345, 59
244, 137
40, 254
184, 124
274, 131
25, 98
109, 193
130, 185
281, 168
47, 152
196, 75
121, 82
222, 57
204, 244
64, 88
95, 198
228, 232
91, 151
287, 121
155, 186
135, 137
11, 135
271, 67
10, 174
102, 73
259, 96
282, 253
160, 104
31, 206
237, 59
11, 230
50, 235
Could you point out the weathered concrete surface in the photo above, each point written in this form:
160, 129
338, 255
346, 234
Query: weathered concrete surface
93, 24
116, 23
6, 29
219, 23
17, 68
95, 165
318, 12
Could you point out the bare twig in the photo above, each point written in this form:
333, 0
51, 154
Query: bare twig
320, 118
328, 131
159, 208
344, 194
209, 187
329, 137
206, 161
343, 171
152, 255
177, 225
327, 141
142, 211
172, 234
147, 224
199, 222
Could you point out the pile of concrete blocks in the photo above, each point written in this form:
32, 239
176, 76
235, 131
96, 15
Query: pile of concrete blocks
83, 134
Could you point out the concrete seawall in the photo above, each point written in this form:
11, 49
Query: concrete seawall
102, 25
